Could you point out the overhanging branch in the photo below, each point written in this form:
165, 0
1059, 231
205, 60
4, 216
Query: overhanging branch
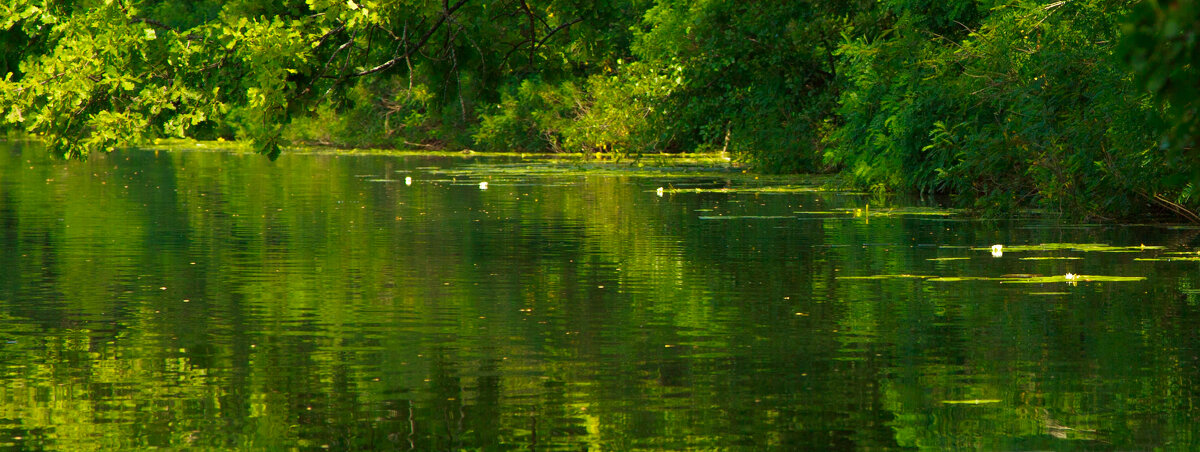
408, 50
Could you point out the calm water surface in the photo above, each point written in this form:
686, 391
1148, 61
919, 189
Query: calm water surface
216, 301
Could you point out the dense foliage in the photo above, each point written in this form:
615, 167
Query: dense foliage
1016, 104
1087, 107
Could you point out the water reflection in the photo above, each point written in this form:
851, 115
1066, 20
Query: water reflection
207, 300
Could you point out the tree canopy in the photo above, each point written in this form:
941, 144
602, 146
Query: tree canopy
1086, 107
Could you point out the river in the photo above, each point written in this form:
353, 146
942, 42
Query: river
208, 300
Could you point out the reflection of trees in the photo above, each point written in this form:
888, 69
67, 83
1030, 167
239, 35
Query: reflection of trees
1061, 376
326, 310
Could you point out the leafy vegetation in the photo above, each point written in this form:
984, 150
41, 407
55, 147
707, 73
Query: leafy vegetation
1084, 107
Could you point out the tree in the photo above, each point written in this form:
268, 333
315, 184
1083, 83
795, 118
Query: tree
758, 79
111, 73
1160, 43
1008, 105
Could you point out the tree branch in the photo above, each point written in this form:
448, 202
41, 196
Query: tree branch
532, 30
409, 50
556, 30
151, 22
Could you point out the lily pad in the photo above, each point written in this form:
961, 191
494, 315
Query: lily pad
905, 276
746, 217
970, 278
1050, 258
942, 259
1075, 279
761, 189
1082, 247
1037, 279
971, 402
899, 211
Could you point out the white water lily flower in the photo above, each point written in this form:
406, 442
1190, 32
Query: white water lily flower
483, 185
997, 250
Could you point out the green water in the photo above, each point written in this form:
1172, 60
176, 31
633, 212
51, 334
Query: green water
217, 301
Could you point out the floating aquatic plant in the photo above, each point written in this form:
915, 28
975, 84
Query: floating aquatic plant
971, 278
746, 217
1072, 278
1168, 259
1082, 247
903, 276
1035, 279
